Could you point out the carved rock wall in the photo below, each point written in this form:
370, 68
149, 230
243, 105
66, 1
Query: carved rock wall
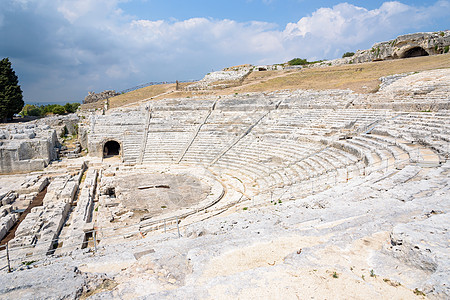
404, 46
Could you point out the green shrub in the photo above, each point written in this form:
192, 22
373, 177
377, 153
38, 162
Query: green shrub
64, 132
446, 49
42, 110
47, 109
68, 107
31, 110
58, 110
71, 107
298, 62
348, 54
418, 292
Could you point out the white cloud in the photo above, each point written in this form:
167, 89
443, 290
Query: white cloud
92, 43
345, 21
330, 31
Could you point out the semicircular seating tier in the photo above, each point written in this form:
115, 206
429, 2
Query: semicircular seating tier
276, 140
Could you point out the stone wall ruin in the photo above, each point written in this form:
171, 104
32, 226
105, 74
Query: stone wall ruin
26, 147
94, 97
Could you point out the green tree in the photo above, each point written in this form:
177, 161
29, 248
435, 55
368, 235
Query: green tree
297, 62
11, 99
58, 110
71, 107
47, 109
31, 110
348, 54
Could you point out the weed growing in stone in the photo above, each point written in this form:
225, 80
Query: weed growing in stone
392, 283
418, 292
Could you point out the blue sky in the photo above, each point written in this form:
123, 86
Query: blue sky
62, 49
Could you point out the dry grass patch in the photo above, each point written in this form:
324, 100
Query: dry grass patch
93, 105
140, 94
361, 78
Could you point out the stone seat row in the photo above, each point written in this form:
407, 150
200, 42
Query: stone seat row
422, 128
212, 138
165, 146
323, 118
167, 141
286, 168
411, 99
435, 140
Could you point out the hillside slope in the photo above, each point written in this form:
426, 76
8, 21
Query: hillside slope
361, 78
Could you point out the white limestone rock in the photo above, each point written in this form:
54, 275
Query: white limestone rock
57, 281
424, 245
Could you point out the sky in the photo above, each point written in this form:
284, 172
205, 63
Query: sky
62, 49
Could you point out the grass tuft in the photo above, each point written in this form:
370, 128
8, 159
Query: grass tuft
418, 292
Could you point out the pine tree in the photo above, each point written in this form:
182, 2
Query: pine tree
11, 99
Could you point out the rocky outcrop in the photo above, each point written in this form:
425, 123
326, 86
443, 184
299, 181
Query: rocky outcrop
58, 281
231, 76
422, 244
65, 124
404, 46
94, 97
221, 79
